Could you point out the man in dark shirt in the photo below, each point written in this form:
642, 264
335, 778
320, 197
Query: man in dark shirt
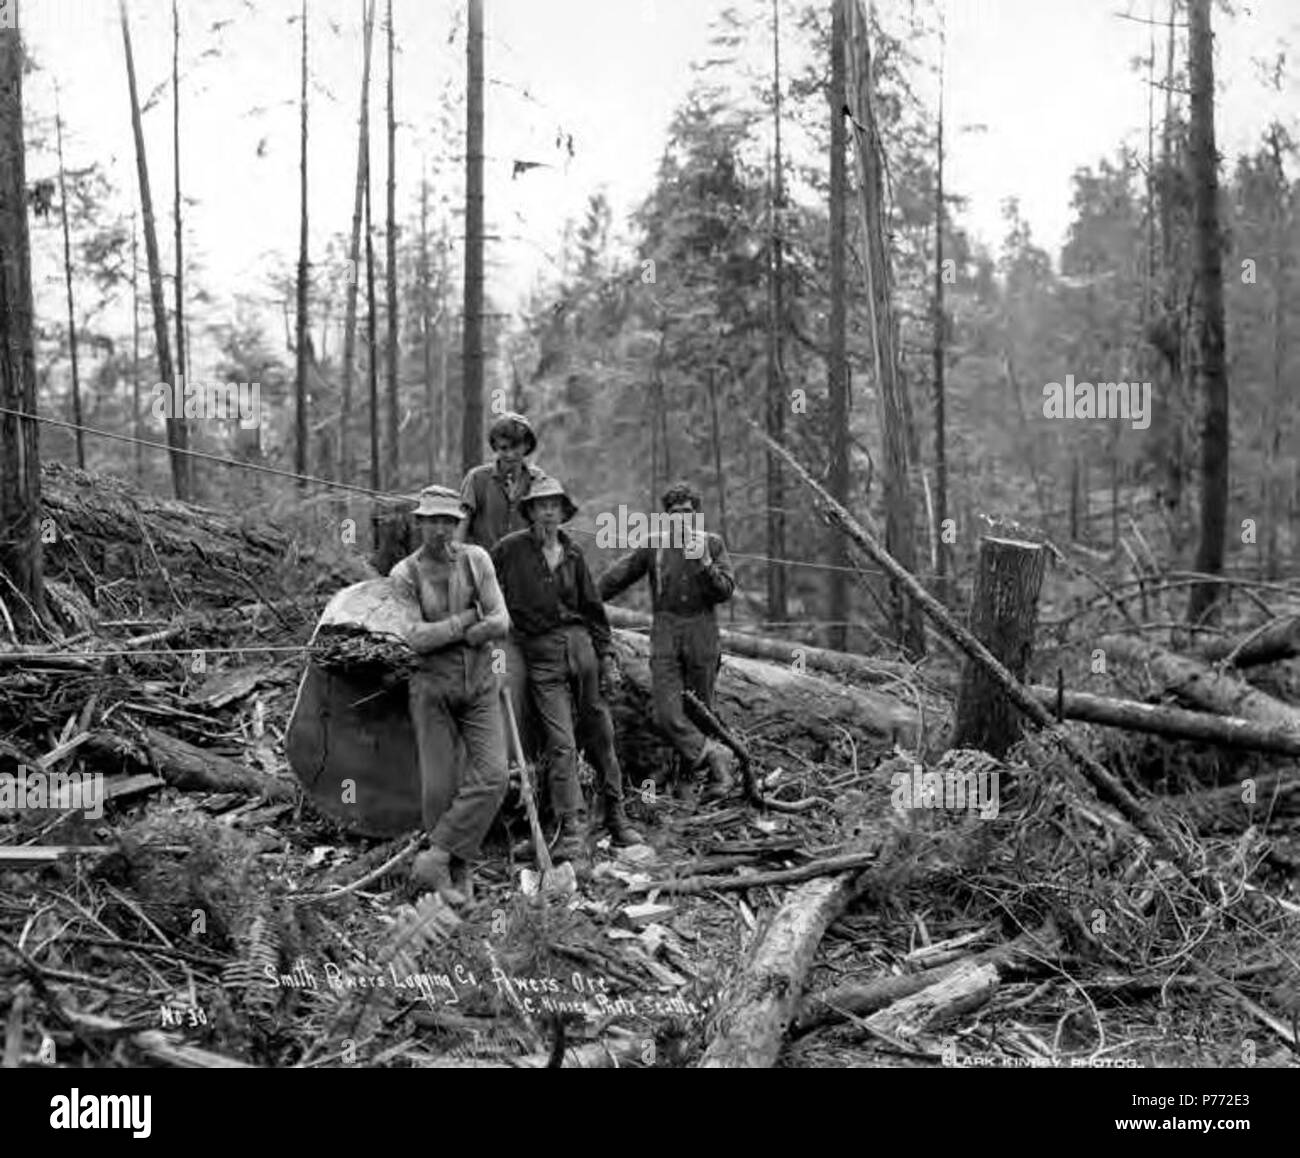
689, 575
491, 493
560, 626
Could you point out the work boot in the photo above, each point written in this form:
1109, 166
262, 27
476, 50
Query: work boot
617, 825
432, 870
720, 761
571, 844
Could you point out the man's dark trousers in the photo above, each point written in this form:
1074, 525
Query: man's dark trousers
685, 652
562, 663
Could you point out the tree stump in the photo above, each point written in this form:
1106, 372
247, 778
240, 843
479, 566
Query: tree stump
1004, 612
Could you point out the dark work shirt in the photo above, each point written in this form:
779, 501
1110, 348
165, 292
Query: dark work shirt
540, 599
678, 585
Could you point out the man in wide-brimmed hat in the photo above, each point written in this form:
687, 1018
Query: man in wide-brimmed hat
559, 623
689, 575
492, 492
454, 692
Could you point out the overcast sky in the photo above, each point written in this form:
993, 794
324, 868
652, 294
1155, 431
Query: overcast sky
1051, 80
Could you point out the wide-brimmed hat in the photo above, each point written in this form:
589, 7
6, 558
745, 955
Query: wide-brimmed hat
439, 503
548, 488
514, 426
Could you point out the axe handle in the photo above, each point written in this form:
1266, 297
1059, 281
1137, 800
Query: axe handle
707, 721
525, 783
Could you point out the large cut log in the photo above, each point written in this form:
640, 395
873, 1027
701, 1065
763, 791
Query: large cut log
1174, 723
1199, 685
1277, 641
762, 1001
186, 767
1003, 614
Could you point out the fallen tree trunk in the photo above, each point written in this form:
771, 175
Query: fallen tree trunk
1195, 683
186, 767
859, 668
967, 987
1277, 641
800, 710
704, 884
1175, 723
855, 1000
757, 1011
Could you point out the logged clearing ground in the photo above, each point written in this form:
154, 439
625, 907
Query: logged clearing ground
211, 918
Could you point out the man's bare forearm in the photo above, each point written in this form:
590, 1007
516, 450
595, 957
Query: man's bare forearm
429, 637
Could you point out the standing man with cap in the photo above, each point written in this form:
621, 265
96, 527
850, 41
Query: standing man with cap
560, 625
688, 577
454, 691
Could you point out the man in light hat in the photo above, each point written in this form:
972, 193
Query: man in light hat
559, 623
454, 692
492, 492
689, 576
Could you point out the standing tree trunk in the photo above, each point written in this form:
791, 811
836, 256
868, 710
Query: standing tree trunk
444, 353
20, 467
67, 276
426, 327
1004, 611
137, 427
1281, 420
718, 477
300, 338
1175, 451
472, 347
391, 236
1211, 373
838, 366
177, 434
899, 530
354, 254
940, 335
776, 587
181, 364
372, 343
